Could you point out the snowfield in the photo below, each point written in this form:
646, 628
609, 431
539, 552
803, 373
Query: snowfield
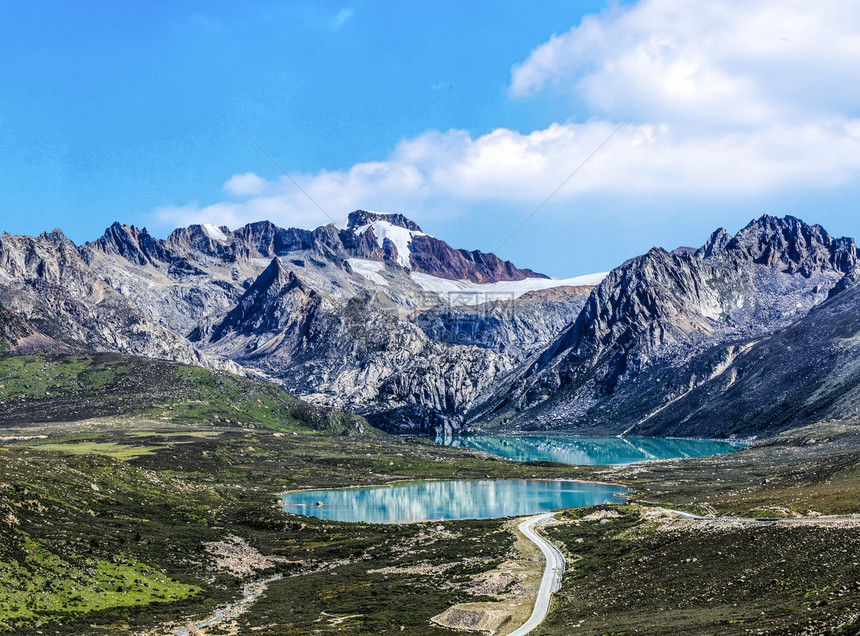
502, 290
400, 236
214, 232
368, 269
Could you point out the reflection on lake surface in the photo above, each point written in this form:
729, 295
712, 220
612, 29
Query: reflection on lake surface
600, 451
430, 500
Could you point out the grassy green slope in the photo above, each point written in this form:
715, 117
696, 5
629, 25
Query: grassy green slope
807, 471
107, 523
117, 472
45, 388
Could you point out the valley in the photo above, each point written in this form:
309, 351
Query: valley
158, 397
175, 500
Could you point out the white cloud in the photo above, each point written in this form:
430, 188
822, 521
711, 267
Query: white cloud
340, 19
723, 99
508, 166
735, 62
244, 184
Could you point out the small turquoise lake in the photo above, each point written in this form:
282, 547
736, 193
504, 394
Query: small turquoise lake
434, 500
595, 451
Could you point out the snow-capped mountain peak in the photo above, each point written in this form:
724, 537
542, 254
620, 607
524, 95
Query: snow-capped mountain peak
362, 218
400, 236
395, 227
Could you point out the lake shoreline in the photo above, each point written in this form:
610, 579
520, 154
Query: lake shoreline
426, 501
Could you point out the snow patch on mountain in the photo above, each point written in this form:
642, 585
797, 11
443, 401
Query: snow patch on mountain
368, 269
400, 236
214, 232
476, 293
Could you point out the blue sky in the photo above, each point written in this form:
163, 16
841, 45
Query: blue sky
464, 116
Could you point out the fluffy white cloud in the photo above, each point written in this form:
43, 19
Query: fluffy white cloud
243, 184
722, 99
505, 165
736, 62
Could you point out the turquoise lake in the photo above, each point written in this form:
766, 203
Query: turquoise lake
598, 451
434, 500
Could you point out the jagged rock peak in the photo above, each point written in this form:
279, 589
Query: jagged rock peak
274, 275
683, 249
716, 244
214, 232
56, 236
262, 308
791, 244
274, 280
133, 244
198, 231
782, 232
361, 218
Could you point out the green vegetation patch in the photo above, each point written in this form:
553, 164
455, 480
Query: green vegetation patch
387, 578
119, 451
806, 471
42, 586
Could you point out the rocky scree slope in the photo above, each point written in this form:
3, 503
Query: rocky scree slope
806, 373
667, 342
351, 353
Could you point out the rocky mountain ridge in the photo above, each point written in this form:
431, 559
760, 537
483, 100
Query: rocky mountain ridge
665, 324
384, 320
332, 314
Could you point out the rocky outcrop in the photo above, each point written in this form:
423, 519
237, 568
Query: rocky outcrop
789, 245
12, 328
18, 337
431, 256
715, 244
516, 327
136, 246
273, 298
361, 218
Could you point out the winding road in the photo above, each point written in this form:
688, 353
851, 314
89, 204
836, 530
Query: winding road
550, 581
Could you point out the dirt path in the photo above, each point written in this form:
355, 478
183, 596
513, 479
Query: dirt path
782, 521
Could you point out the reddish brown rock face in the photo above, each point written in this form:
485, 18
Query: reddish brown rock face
431, 256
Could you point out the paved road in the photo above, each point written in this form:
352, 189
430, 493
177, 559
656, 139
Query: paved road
551, 580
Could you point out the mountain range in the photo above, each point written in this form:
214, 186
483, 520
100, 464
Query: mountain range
744, 336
